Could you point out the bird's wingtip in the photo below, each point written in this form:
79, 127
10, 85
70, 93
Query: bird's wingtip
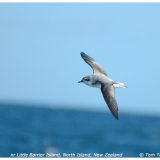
82, 54
116, 116
86, 57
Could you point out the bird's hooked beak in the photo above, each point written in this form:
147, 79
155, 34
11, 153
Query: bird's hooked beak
80, 81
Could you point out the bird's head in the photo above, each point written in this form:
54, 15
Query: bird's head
86, 80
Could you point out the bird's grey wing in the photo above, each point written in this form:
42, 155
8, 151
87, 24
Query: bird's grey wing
109, 97
90, 61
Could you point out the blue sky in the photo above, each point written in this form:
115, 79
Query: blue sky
40, 53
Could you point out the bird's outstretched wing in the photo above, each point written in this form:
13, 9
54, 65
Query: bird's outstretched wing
109, 97
90, 61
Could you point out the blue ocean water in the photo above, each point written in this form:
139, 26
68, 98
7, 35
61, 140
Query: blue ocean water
27, 129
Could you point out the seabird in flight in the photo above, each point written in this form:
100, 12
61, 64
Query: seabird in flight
100, 79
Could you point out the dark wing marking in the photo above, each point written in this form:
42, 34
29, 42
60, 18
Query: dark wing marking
90, 61
109, 97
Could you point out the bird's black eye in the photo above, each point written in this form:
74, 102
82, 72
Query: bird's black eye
86, 79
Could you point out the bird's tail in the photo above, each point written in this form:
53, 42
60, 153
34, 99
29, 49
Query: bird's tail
119, 85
